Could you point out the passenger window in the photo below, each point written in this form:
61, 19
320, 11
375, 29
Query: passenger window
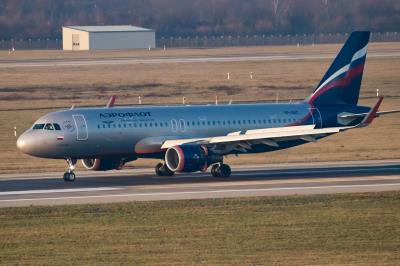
38, 126
49, 127
57, 126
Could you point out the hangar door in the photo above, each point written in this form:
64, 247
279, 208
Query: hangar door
75, 42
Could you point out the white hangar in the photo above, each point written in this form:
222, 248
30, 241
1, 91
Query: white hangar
77, 38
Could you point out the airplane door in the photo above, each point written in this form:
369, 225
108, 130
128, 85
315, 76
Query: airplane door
81, 127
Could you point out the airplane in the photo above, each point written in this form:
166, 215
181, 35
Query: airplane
194, 138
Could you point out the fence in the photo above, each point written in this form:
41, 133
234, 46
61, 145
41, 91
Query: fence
213, 41
255, 40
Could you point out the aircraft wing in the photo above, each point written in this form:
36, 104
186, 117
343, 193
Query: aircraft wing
243, 140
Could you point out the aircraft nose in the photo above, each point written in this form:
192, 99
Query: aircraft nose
21, 143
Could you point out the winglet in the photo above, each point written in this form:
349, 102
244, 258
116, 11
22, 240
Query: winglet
111, 101
372, 114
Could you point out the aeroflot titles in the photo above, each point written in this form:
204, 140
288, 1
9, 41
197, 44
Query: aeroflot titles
124, 115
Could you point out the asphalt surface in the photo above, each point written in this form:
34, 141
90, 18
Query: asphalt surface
161, 60
142, 185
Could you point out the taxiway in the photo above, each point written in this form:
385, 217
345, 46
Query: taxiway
162, 60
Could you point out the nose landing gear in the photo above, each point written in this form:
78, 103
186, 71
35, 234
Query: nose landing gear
69, 175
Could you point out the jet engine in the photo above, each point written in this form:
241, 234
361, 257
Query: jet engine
189, 158
103, 164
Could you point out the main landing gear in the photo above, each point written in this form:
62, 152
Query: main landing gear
221, 170
69, 175
162, 170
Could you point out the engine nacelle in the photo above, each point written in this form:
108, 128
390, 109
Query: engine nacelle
189, 158
103, 164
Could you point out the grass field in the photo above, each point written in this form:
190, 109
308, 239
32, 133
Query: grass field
349, 229
28, 93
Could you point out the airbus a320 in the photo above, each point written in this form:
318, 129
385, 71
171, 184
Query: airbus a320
196, 138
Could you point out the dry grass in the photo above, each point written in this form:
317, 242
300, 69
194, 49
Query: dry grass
28, 90
359, 229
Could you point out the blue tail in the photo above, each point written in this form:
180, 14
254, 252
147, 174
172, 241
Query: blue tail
341, 83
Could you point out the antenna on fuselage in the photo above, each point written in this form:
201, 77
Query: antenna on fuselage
111, 102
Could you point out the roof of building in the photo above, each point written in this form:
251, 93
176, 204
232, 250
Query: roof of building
112, 28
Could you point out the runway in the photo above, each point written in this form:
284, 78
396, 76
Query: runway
142, 185
162, 60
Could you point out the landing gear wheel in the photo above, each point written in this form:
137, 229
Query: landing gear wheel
225, 170
221, 170
214, 170
69, 177
162, 170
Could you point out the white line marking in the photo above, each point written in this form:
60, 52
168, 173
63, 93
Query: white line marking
317, 171
46, 191
204, 192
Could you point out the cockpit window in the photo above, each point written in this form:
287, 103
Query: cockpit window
57, 126
38, 126
49, 126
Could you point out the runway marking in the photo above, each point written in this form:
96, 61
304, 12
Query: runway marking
316, 171
203, 192
46, 191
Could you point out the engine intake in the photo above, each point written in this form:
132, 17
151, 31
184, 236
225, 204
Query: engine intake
189, 158
101, 164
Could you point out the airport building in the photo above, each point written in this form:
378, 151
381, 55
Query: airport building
77, 38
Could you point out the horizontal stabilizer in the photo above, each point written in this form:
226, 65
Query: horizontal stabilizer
372, 114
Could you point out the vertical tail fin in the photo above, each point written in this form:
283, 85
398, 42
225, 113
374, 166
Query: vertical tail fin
341, 83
